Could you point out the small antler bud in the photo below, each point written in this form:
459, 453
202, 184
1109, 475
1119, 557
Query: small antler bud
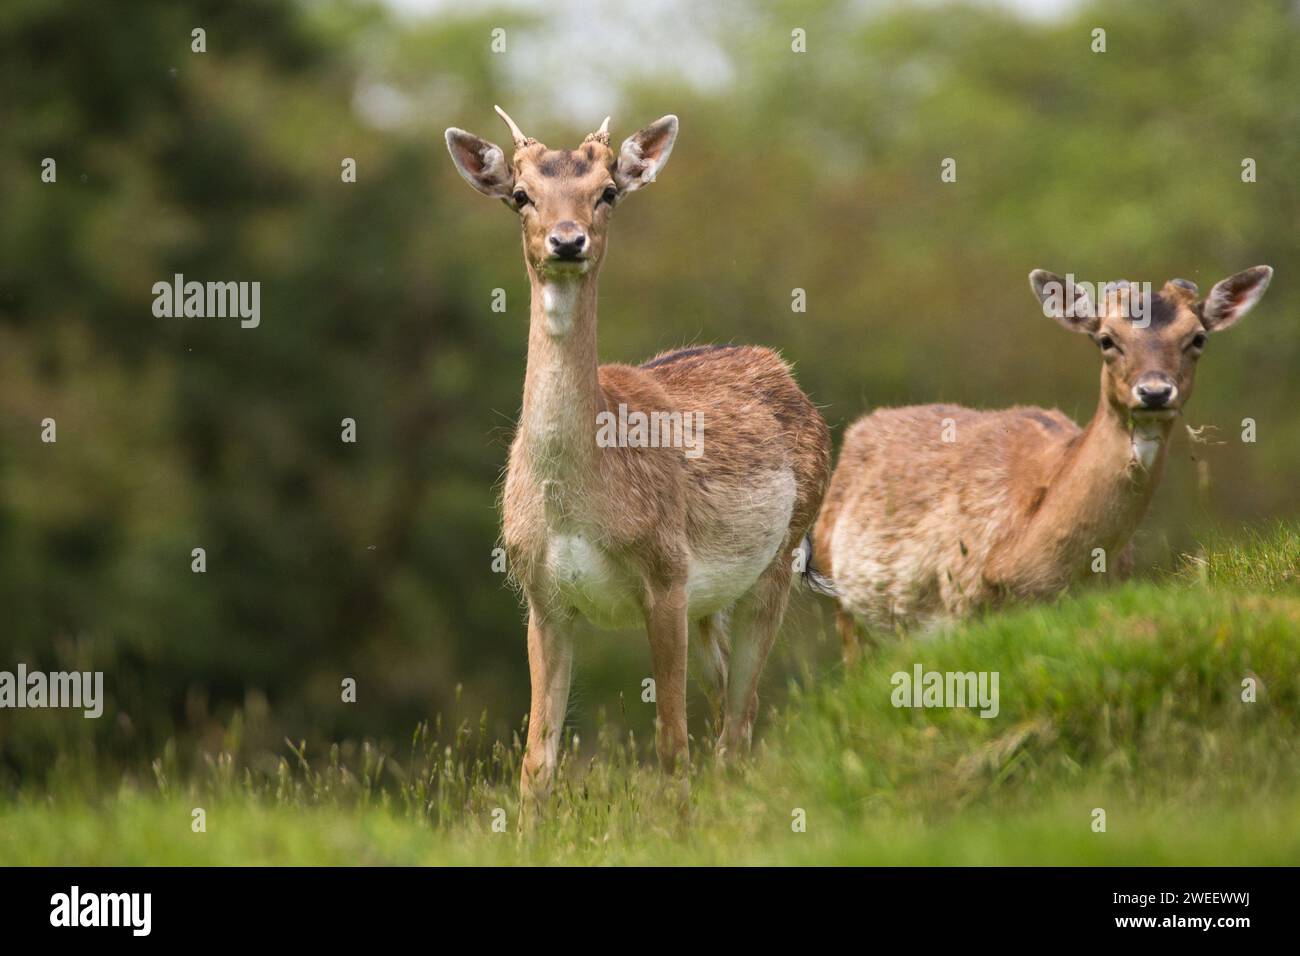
520, 139
601, 135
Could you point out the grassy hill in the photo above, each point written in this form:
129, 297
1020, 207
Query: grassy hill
1127, 700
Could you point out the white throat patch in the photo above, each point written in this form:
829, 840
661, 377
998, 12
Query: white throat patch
1147, 438
560, 303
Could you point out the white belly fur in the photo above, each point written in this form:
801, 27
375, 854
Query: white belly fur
721, 568
591, 581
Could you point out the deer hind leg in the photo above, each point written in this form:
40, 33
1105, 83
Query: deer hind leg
712, 652
667, 628
755, 621
550, 666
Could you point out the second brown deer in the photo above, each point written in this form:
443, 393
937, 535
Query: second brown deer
936, 510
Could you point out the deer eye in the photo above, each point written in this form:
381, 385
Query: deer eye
1106, 343
608, 196
1198, 340
521, 198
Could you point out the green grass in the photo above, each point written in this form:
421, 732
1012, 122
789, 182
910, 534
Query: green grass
1266, 561
1127, 699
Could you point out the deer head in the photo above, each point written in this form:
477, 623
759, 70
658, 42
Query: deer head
1150, 349
563, 198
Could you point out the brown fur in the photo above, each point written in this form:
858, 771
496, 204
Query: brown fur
916, 529
620, 533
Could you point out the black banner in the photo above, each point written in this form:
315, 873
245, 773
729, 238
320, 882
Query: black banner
334, 905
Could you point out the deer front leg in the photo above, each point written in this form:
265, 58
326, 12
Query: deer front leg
667, 629
550, 666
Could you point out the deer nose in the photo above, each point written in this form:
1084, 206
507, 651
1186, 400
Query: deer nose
1155, 393
567, 240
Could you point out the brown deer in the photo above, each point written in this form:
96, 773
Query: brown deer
937, 510
624, 531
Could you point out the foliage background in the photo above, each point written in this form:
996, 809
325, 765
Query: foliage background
818, 171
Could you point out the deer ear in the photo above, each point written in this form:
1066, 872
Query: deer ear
1233, 297
644, 154
1064, 301
480, 163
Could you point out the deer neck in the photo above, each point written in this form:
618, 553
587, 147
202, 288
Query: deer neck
562, 393
1098, 489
